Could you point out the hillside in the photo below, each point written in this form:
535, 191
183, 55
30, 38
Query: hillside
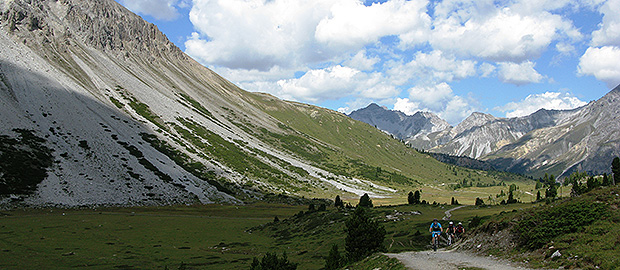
127, 118
582, 232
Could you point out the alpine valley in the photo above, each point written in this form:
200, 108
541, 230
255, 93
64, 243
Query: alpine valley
547, 141
98, 107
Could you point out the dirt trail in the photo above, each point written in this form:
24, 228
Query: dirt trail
448, 213
450, 259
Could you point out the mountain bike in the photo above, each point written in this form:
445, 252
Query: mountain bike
435, 241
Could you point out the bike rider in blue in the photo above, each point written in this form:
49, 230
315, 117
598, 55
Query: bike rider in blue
435, 230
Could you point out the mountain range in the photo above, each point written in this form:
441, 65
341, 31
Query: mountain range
556, 142
99, 108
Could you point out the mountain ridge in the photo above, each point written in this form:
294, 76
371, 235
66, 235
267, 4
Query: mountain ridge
507, 143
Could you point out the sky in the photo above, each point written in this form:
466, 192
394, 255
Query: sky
508, 58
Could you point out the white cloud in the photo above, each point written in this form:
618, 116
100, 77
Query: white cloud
518, 74
548, 100
362, 62
457, 109
351, 24
609, 32
565, 48
487, 70
438, 99
432, 67
330, 83
159, 9
261, 34
512, 33
257, 34
603, 63
406, 106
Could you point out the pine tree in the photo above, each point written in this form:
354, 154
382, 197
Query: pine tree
511, 198
333, 260
615, 169
410, 198
417, 197
364, 235
365, 201
606, 181
338, 202
551, 192
479, 202
538, 196
452, 202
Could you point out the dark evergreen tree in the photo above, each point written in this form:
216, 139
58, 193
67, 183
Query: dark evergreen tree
592, 183
479, 202
538, 185
577, 189
338, 202
416, 197
365, 201
271, 261
511, 198
452, 201
551, 192
615, 169
311, 208
410, 198
538, 196
606, 182
276, 219
333, 260
364, 235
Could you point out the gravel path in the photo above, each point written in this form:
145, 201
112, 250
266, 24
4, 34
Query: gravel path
450, 259
448, 213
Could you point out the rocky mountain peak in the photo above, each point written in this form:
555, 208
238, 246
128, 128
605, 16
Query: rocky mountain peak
103, 24
398, 123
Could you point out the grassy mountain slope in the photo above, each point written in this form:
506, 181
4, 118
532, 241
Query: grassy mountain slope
136, 121
584, 231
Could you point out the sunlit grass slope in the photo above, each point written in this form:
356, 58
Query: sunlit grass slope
357, 149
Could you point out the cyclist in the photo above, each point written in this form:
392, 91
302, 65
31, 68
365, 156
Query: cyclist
459, 230
450, 232
435, 230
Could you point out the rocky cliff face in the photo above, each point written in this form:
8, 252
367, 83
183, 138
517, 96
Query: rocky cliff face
402, 126
585, 139
129, 118
547, 141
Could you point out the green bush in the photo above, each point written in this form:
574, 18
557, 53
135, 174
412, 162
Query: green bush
364, 235
23, 162
539, 228
271, 261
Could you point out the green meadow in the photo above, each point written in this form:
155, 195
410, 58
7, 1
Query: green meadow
202, 236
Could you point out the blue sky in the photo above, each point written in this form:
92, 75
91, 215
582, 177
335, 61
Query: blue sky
451, 57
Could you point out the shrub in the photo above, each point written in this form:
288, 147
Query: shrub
364, 235
536, 230
24, 162
365, 201
271, 261
333, 260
